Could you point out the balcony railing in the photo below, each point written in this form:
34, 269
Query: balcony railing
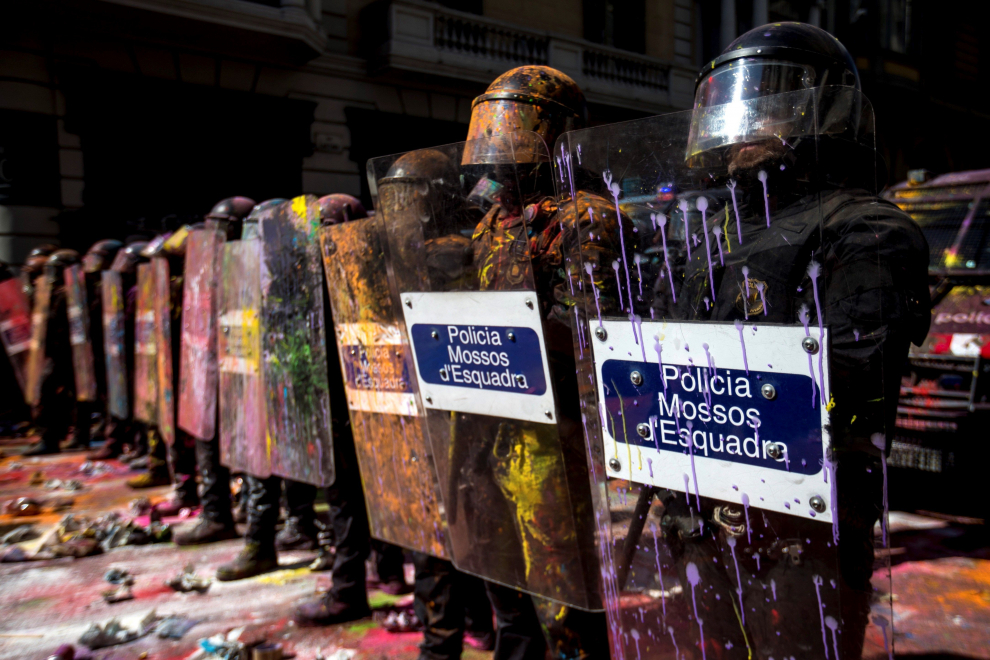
423, 36
457, 35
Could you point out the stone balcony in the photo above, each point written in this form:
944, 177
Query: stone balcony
278, 30
420, 36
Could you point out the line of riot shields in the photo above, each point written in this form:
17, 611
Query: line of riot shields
623, 373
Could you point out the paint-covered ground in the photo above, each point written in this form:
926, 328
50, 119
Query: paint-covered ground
47, 603
941, 584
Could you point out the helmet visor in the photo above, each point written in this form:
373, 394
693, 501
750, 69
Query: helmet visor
747, 101
497, 117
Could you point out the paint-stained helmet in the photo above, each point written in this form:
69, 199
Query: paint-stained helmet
539, 99
339, 208
128, 258
100, 255
231, 209
37, 258
250, 228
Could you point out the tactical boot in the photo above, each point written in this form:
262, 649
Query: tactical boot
327, 610
42, 448
254, 559
150, 479
206, 531
110, 449
296, 535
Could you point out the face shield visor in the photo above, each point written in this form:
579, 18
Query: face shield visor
748, 101
492, 120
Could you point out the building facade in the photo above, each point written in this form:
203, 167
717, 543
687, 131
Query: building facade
127, 117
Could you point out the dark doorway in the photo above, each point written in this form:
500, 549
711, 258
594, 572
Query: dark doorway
158, 154
375, 133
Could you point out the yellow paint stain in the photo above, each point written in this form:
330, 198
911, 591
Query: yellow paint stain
529, 470
728, 245
831, 403
280, 578
299, 206
625, 431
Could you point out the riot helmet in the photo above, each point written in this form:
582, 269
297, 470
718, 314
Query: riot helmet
775, 85
129, 257
229, 213
538, 99
231, 209
154, 247
422, 182
58, 262
340, 208
37, 258
250, 228
100, 255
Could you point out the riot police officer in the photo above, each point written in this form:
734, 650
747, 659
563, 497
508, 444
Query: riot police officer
216, 522
814, 224
97, 259
347, 599
261, 496
55, 408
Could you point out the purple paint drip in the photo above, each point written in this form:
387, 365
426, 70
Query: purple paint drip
761, 288
803, 316
739, 588
662, 221
577, 324
695, 579
639, 271
749, 532
591, 276
683, 206
773, 589
656, 549
735, 207
614, 189
814, 269
638, 325
883, 623
828, 474
833, 625
821, 613
618, 282
702, 204
659, 349
742, 343
694, 473
718, 243
762, 176
687, 488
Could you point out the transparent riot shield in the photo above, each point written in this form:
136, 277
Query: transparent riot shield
744, 313
394, 455
37, 358
243, 418
145, 348
79, 336
508, 452
294, 345
198, 351
162, 309
15, 327
118, 399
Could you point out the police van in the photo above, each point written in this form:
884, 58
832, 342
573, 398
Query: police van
945, 392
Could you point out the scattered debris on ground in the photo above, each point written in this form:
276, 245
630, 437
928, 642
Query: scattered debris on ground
113, 632
187, 581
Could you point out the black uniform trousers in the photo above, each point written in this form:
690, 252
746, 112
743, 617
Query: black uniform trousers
448, 602
349, 517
